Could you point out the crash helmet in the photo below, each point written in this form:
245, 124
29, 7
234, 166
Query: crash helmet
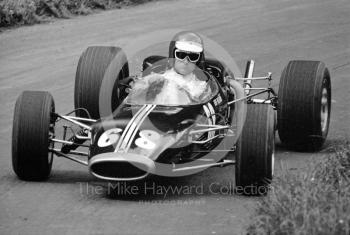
190, 42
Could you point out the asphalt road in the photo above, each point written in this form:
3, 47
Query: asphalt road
44, 57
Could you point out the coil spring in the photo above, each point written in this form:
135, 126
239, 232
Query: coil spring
66, 148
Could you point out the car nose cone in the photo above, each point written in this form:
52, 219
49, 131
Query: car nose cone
121, 166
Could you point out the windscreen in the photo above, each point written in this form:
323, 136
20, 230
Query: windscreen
156, 89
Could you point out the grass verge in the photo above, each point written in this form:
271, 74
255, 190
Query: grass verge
316, 202
26, 12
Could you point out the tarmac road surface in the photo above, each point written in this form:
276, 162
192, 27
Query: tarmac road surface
44, 57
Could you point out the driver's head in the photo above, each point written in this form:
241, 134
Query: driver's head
186, 48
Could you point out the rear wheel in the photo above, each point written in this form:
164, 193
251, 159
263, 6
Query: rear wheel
33, 125
97, 81
304, 105
255, 151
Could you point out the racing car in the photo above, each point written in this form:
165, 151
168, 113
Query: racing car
123, 134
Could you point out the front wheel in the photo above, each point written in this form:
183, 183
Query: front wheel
255, 151
33, 125
97, 89
304, 105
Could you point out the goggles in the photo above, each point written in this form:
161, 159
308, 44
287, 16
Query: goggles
191, 56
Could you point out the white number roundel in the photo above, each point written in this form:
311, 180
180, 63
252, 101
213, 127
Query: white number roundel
148, 139
109, 137
150, 135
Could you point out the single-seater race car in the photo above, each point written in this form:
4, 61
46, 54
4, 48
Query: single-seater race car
123, 133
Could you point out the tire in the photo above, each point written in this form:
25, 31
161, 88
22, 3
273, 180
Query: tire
96, 81
304, 105
255, 151
33, 123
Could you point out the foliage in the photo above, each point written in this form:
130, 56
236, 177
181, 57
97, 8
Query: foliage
20, 12
316, 202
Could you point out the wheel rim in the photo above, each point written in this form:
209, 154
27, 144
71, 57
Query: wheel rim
51, 135
324, 109
51, 144
273, 161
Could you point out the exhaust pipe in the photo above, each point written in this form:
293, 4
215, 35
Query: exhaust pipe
121, 166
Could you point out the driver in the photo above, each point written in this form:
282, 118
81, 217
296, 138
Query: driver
185, 79
186, 60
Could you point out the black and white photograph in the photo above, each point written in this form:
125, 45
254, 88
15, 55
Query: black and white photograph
175, 117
